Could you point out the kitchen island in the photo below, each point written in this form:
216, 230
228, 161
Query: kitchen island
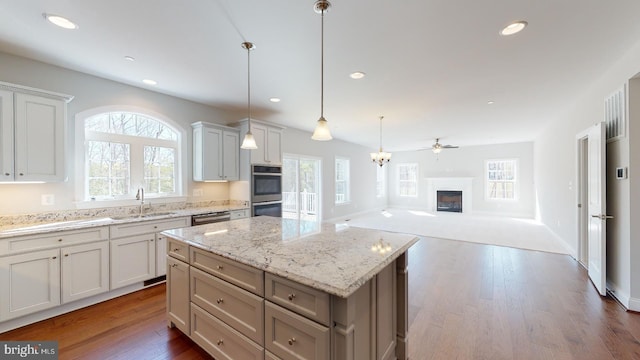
272, 288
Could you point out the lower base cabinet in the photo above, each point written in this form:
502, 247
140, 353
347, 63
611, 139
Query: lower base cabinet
219, 339
85, 270
133, 259
178, 303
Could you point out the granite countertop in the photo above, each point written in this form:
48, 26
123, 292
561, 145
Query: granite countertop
77, 224
333, 258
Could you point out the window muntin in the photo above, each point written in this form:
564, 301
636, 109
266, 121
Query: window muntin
501, 179
408, 180
342, 180
126, 150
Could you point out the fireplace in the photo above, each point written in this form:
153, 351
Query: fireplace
449, 200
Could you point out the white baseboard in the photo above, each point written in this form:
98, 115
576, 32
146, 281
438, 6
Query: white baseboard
623, 297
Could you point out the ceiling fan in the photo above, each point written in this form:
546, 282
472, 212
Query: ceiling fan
437, 147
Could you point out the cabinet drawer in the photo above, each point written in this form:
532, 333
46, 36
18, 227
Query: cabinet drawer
242, 275
301, 299
219, 340
178, 249
146, 227
239, 214
55, 239
238, 308
291, 336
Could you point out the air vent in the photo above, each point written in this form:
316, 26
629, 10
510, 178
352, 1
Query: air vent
614, 114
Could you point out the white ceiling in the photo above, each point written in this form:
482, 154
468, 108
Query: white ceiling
431, 65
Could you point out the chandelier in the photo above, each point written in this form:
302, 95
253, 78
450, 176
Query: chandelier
381, 157
321, 132
249, 141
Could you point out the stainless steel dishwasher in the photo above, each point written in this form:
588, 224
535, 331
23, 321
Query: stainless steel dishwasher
210, 217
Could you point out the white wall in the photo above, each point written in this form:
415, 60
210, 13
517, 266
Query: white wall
91, 92
555, 175
363, 172
468, 162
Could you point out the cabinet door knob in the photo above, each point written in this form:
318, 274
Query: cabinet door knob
21, 174
219, 267
66, 255
59, 239
150, 239
155, 227
292, 340
7, 174
176, 250
220, 342
174, 265
292, 296
55, 257
220, 301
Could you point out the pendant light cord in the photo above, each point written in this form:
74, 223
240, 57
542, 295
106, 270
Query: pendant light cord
322, 64
249, 85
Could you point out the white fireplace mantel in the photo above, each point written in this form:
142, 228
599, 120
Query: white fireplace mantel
464, 184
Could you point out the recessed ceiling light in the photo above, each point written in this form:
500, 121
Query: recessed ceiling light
274, 99
60, 21
490, 102
150, 82
130, 58
513, 28
357, 75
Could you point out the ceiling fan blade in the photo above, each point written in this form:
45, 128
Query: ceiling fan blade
450, 146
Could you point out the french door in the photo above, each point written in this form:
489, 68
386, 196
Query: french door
301, 188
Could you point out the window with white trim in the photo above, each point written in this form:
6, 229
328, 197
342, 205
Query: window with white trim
126, 150
342, 180
408, 180
381, 181
501, 179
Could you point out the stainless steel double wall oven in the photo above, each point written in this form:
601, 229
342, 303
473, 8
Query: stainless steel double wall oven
266, 190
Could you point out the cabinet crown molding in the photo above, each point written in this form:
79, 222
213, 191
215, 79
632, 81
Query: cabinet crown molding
34, 91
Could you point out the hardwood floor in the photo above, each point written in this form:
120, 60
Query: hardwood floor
466, 301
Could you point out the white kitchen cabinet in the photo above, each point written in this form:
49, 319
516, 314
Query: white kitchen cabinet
30, 282
138, 250
269, 142
216, 152
85, 270
32, 134
133, 259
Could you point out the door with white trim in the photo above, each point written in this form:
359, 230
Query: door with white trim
597, 207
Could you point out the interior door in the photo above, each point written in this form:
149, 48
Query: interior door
597, 234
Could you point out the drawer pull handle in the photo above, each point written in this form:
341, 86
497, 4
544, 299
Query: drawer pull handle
66, 255
176, 250
55, 257
60, 239
292, 340
220, 301
6, 174
220, 342
292, 296
155, 227
21, 174
174, 265
219, 267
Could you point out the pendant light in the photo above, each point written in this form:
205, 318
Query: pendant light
249, 141
381, 157
321, 132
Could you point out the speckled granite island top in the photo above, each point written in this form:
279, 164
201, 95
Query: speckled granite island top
336, 259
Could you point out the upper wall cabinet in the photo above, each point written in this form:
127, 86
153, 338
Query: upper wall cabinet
216, 152
268, 139
32, 134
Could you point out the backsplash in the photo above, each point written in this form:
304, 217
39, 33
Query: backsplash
79, 214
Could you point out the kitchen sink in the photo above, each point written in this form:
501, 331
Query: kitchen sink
143, 216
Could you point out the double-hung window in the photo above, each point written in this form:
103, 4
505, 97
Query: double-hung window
124, 151
342, 180
408, 180
501, 179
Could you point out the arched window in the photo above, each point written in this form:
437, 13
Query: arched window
124, 151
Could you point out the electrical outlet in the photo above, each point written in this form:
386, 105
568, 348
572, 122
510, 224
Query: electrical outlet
198, 192
48, 199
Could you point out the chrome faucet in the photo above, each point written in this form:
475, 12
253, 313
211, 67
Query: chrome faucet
140, 196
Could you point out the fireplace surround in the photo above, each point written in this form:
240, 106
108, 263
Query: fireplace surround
449, 200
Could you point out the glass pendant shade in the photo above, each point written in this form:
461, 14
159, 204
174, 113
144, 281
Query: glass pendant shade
249, 142
322, 132
380, 157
